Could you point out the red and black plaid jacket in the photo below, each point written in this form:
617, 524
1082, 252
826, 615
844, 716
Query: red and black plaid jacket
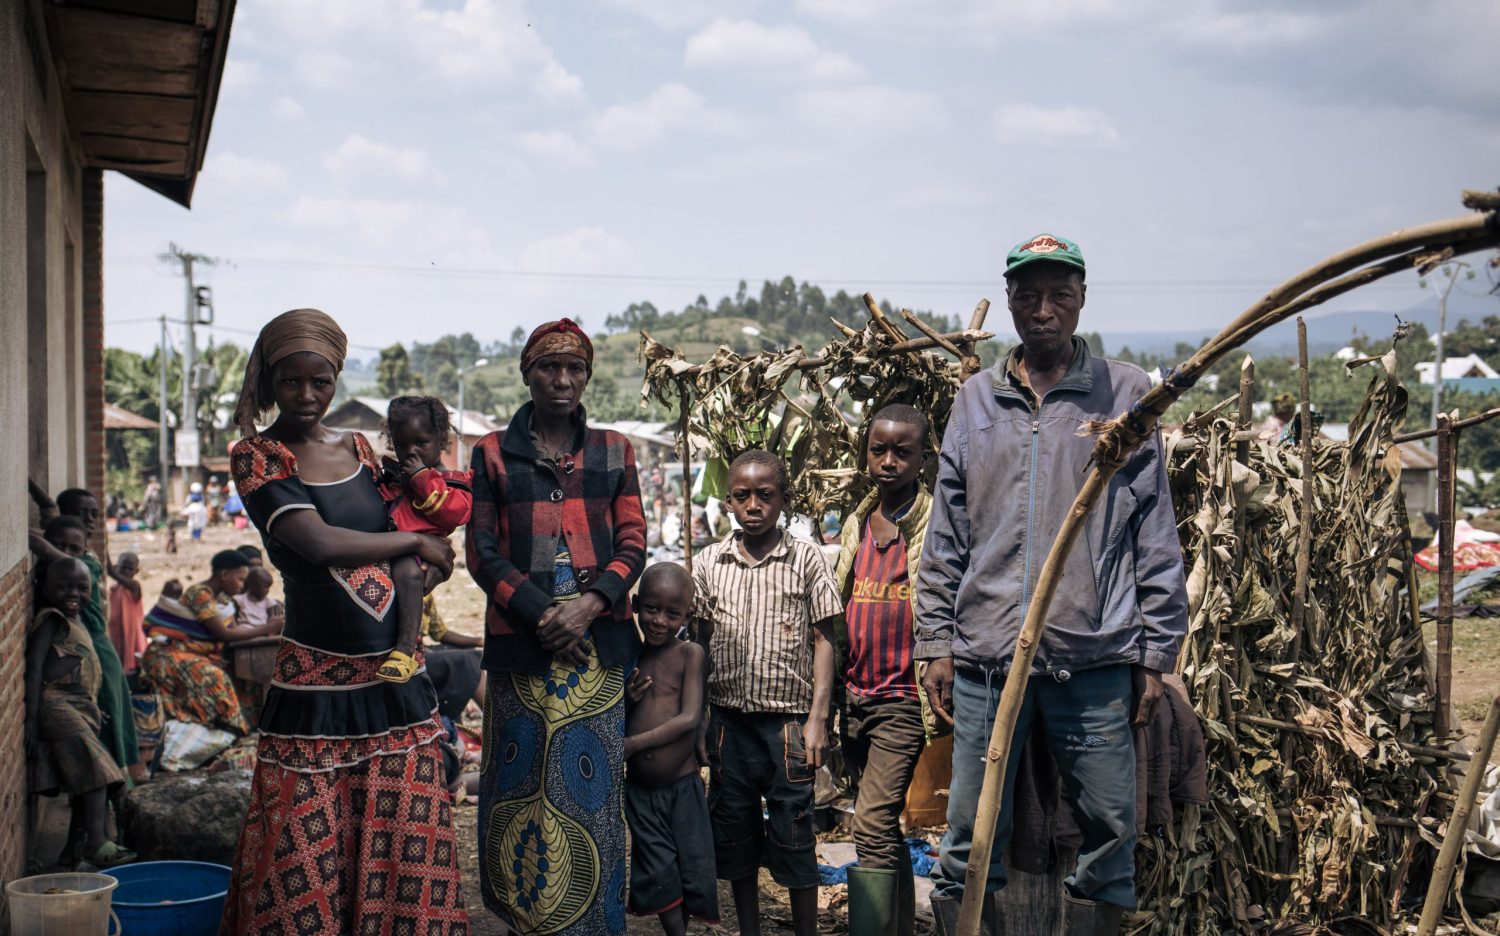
522, 507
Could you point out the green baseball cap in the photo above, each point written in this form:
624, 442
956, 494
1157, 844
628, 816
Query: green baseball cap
1044, 247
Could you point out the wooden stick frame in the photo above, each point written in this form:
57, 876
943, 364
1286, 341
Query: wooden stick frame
1458, 825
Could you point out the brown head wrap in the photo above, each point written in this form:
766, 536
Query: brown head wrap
287, 333
560, 337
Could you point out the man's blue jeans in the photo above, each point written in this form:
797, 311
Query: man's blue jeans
1086, 719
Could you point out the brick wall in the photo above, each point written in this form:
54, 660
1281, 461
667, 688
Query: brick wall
15, 607
93, 341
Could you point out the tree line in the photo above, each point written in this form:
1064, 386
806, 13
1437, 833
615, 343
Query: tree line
784, 313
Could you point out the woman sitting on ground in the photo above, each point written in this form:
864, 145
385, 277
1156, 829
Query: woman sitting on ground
185, 657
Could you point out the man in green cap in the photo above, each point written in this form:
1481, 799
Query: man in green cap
1014, 453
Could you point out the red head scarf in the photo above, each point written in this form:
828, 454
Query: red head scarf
560, 337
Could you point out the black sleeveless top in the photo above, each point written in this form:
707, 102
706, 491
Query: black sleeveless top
325, 707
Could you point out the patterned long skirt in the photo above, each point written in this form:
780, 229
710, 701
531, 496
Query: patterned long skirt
551, 813
193, 684
366, 848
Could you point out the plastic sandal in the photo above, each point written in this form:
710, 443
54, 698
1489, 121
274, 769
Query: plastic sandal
397, 668
111, 855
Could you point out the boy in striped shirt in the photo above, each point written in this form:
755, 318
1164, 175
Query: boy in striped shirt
766, 606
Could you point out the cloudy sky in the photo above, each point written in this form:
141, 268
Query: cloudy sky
416, 167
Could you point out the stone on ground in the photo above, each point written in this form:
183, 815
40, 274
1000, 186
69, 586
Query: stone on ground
187, 818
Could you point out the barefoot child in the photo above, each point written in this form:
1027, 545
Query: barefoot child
766, 605
671, 839
424, 497
62, 719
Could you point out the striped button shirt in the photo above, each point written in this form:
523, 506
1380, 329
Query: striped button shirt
762, 644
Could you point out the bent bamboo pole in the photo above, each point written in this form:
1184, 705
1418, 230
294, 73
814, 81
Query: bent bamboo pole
1458, 825
1364, 263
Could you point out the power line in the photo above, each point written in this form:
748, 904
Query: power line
1181, 286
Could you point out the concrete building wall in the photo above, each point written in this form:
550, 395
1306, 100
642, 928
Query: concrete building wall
42, 340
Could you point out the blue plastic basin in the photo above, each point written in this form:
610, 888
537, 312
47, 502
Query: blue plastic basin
170, 898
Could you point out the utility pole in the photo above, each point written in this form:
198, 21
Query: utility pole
187, 427
161, 414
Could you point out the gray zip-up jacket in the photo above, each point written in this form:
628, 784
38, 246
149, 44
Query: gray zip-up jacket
1008, 472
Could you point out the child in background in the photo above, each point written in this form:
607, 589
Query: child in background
114, 694
171, 589
62, 724
424, 497
257, 607
67, 536
126, 611
671, 839
197, 518
766, 604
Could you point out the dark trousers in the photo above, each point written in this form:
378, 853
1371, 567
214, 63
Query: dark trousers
755, 755
882, 740
1086, 720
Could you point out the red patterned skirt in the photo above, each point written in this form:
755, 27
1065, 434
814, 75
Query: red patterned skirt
346, 834
361, 849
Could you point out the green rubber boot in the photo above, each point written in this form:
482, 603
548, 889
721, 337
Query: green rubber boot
906, 901
872, 902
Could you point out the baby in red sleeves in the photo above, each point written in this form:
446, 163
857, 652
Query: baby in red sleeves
424, 497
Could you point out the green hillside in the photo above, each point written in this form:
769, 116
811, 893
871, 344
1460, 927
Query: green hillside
781, 315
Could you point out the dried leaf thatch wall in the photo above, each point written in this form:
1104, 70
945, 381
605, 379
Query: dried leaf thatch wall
769, 400
1316, 788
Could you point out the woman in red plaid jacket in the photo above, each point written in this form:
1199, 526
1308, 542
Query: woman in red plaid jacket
556, 541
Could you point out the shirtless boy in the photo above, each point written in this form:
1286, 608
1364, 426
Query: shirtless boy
672, 849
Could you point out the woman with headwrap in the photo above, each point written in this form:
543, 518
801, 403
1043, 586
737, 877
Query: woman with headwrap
556, 540
349, 828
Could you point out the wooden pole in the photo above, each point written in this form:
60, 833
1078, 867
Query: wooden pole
1247, 408
1334, 276
1447, 443
1304, 528
880, 319
1241, 455
969, 364
687, 485
931, 332
1458, 824
1458, 426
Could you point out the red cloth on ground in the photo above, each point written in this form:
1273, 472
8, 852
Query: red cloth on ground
127, 612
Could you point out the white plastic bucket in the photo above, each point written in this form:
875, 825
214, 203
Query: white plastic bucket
77, 905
